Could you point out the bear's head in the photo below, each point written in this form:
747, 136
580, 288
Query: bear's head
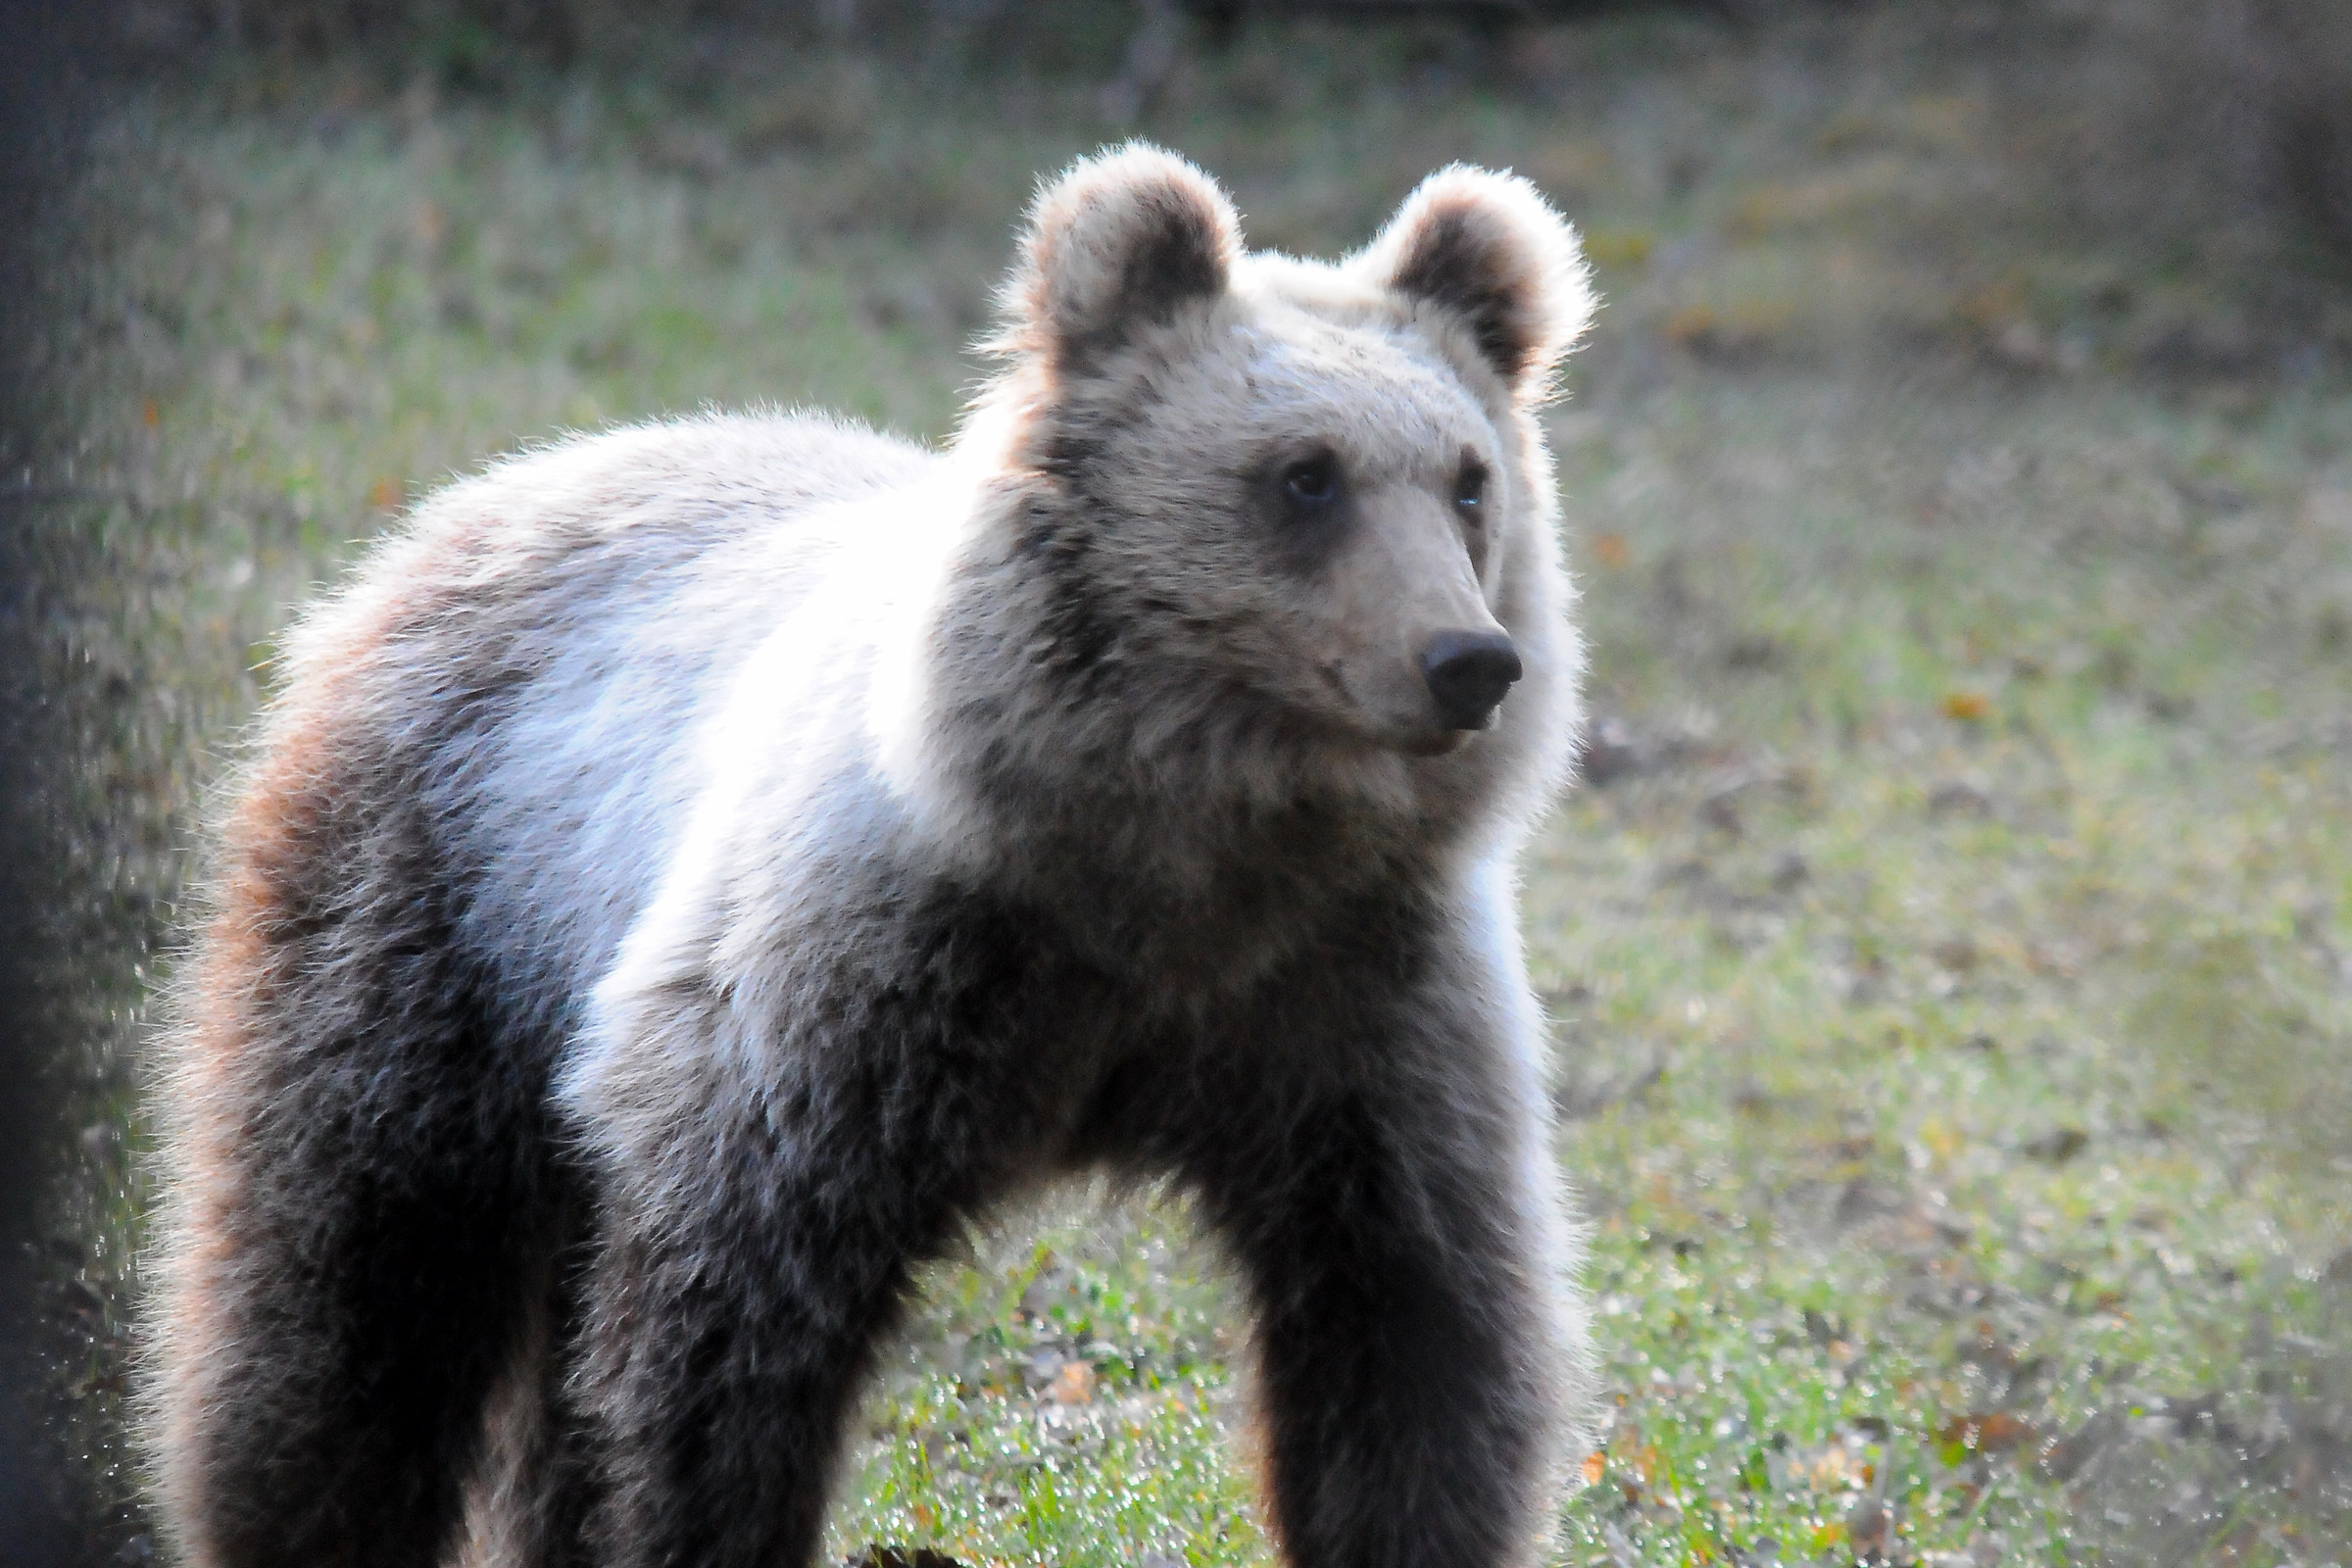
1247, 506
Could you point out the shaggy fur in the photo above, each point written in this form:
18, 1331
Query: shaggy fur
694, 869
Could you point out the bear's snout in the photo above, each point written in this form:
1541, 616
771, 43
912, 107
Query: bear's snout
1469, 672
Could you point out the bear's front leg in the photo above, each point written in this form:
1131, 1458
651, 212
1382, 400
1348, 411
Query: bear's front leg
755, 1242
1420, 1353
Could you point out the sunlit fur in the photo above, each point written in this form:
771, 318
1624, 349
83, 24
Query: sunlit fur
689, 870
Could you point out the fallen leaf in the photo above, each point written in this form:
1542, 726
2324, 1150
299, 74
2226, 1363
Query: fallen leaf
1074, 1384
1834, 1469
1968, 706
1986, 1432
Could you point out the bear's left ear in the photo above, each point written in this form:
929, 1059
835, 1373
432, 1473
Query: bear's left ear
1488, 248
1122, 241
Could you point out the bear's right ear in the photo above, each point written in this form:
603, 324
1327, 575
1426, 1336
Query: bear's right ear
1124, 240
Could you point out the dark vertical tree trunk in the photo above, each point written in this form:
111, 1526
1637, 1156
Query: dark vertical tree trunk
41, 109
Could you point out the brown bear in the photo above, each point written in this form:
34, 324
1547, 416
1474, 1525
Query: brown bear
691, 870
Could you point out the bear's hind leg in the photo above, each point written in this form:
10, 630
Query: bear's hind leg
358, 1220
527, 1495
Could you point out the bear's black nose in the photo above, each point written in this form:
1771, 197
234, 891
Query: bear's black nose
1468, 673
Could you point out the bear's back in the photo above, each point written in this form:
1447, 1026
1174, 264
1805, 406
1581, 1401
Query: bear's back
530, 659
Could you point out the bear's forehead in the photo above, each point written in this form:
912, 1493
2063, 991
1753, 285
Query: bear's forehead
1370, 385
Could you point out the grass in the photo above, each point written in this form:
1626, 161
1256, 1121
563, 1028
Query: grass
1954, 967
1951, 955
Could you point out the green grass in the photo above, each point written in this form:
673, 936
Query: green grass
1988, 958
1954, 990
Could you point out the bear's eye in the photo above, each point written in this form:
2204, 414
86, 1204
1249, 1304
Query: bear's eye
1313, 482
1470, 489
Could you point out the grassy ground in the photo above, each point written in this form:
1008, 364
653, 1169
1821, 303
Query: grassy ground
1951, 953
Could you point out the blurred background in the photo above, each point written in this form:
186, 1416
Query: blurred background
1949, 948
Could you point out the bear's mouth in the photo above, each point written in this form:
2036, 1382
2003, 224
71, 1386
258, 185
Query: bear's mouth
1365, 722
1434, 743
